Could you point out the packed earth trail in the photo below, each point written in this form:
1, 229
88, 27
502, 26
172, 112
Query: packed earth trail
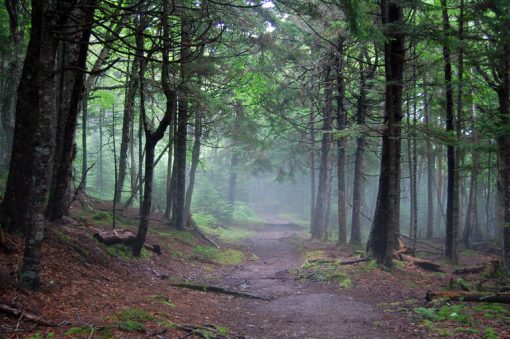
299, 308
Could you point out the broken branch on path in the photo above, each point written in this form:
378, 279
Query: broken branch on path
32, 317
194, 226
217, 289
488, 297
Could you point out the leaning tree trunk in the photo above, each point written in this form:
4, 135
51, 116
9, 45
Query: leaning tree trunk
34, 135
452, 204
195, 158
152, 137
341, 120
319, 226
383, 236
76, 37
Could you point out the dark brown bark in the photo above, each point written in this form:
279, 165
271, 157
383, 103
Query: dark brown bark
152, 137
320, 218
383, 236
84, 131
77, 29
341, 121
178, 213
452, 203
33, 143
195, 159
169, 191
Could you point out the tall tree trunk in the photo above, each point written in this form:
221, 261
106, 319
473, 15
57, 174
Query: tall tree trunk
33, 142
84, 130
341, 120
453, 203
319, 224
312, 166
178, 217
359, 162
100, 162
12, 78
152, 137
77, 33
430, 165
195, 159
129, 106
169, 190
383, 236
234, 158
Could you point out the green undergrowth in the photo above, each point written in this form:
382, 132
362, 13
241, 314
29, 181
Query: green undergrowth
463, 319
126, 252
317, 267
208, 224
132, 319
184, 237
225, 256
105, 219
294, 219
163, 300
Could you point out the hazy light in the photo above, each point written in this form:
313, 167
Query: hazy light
268, 4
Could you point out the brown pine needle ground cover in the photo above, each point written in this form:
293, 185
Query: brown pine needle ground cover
94, 291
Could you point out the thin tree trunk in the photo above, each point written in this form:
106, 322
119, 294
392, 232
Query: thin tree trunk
129, 105
383, 236
195, 159
312, 167
319, 224
452, 205
169, 191
84, 160
341, 118
430, 166
100, 162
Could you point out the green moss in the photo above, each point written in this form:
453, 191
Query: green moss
126, 252
130, 325
132, 319
74, 331
185, 237
490, 333
224, 256
163, 300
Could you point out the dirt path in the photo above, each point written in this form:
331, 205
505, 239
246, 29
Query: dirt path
299, 309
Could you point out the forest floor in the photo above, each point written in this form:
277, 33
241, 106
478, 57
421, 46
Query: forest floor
93, 291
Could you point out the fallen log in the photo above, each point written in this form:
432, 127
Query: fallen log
217, 289
422, 242
488, 297
22, 314
124, 237
492, 266
423, 264
113, 237
354, 261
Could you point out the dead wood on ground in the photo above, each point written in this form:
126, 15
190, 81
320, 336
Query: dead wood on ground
25, 315
469, 296
217, 289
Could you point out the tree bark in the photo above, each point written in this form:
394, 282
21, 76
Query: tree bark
341, 120
33, 142
12, 78
383, 236
430, 165
312, 166
195, 159
452, 204
169, 176
77, 31
129, 106
100, 163
152, 137
319, 224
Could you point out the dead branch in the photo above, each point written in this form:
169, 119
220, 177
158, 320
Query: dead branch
217, 289
194, 226
503, 298
422, 242
19, 313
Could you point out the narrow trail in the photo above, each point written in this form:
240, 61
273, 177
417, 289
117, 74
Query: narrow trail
299, 309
